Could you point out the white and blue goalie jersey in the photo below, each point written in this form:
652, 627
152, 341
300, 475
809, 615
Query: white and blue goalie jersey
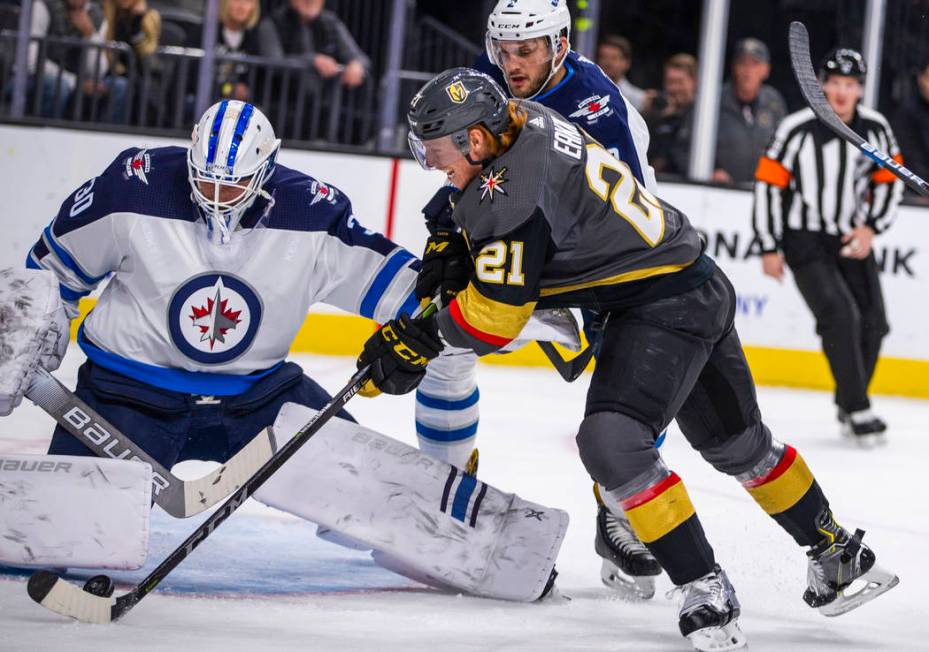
187, 315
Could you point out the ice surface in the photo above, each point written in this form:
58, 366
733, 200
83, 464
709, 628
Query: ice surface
264, 582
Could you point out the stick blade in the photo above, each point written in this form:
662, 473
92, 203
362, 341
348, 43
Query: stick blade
55, 594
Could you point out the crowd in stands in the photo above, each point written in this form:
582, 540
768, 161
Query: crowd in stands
298, 31
73, 70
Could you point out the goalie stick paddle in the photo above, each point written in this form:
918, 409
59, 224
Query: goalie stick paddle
177, 497
812, 91
60, 596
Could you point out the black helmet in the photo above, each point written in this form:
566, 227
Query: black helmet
455, 100
845, 62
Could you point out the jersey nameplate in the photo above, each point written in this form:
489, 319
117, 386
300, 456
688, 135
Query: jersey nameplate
568, 139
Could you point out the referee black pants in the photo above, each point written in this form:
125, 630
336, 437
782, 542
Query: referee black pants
845, 297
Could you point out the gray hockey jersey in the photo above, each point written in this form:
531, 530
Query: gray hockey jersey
557, 221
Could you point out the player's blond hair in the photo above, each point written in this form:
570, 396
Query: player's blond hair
499, 144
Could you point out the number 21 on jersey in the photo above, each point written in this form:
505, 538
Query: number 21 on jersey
630, 200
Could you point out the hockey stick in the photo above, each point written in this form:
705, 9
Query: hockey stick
54, 593
812, 91
177, 497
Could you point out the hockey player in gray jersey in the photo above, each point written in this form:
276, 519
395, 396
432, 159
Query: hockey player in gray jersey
552, 219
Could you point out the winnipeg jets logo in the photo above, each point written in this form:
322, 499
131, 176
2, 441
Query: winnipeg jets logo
322, 192
593, 107
492, 184
138, 166
213, 318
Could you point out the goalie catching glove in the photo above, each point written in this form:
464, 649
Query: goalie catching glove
446, 267
399, 352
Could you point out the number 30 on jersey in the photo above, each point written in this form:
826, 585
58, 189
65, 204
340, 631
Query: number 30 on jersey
640, 208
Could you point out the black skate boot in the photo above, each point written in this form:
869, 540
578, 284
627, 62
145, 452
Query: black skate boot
863, 427
709, 613
835, 563
628, 566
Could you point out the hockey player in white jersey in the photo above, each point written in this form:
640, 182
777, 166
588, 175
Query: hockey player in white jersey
214, 254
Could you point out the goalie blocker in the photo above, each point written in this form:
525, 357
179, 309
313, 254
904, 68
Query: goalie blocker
423, 518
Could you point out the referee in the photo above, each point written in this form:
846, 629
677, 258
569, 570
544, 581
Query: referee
818, 205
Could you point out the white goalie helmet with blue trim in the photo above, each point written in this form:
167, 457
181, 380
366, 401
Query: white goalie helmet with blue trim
232, 155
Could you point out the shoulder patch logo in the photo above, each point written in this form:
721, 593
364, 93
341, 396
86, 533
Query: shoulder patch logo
322, 192
138, 166
492, 184
538, 121
591, 108
457, 92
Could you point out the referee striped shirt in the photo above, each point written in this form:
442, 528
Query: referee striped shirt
809, 179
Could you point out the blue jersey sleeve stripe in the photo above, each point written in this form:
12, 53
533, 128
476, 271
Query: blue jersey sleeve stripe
410, 305
382, 281
71, 295
445, 404
436, 434
214, 132
240, 126
31, 263
68, 261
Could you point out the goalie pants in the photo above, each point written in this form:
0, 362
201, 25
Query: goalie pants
845, 297
173, 427
680, 357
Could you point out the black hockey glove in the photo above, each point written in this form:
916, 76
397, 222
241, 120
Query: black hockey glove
446, 267
399, 352
438, 212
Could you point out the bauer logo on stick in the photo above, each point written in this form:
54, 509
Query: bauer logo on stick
457, 92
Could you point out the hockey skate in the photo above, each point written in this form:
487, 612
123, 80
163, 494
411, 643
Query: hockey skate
863, 427
837, 562
709, 613
628, 566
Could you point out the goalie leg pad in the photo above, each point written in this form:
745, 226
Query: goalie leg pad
74, 512
442, 525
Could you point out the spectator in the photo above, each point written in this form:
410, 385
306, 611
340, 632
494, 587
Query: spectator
749, 111
671, 118
307, 29
79, 19
911, 123
131, 22
614, 56
243, 32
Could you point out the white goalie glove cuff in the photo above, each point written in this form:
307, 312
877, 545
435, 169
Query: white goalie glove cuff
34, 331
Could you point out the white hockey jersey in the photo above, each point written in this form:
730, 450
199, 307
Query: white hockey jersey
187, 315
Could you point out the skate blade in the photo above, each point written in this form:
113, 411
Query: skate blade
718, 639
629, 587
875, 581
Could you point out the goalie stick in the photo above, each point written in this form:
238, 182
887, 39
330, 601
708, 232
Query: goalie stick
812, 90
177, 497
60, 596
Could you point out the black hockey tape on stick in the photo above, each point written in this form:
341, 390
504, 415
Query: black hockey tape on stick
55, 594
179, 498
812, 90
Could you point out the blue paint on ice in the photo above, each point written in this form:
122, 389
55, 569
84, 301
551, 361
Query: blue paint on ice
253, 555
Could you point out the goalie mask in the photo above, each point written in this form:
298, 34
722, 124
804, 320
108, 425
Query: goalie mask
512, 22
231, 157
443, 110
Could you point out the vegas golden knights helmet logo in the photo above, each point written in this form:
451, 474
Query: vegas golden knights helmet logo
457, 92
